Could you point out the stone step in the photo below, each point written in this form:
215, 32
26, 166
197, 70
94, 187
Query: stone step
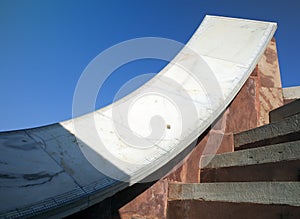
285, 130
280, 162
291, 93
276, 193
234, 200
285, 111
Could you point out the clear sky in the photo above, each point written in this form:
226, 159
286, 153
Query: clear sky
46, 44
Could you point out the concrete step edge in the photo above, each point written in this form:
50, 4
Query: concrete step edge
272, 193
267, 154
272, 133
285, 111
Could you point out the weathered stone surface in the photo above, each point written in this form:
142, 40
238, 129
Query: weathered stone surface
27, 171
285, 111
268, 154
271, 163
269, 91
268, 67
191, 209
280, 193
278, 171
278, 132
270, 99
243, 111
151, 203
291, 92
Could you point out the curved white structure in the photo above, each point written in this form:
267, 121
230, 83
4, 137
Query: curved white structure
62, 168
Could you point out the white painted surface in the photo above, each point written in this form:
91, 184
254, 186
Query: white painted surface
130, 143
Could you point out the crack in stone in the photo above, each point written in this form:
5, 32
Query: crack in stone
44, 176
7, 176
38, 176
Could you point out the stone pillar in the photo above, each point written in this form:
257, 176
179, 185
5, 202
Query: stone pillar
270, 92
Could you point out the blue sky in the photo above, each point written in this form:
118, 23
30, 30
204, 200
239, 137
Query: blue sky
46, 44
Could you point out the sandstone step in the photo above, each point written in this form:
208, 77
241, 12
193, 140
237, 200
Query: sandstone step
277, 193
234, 200
280, 162
193, 209
278, 132
291, 93
285, 111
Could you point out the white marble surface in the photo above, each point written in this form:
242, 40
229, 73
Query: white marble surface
138, 134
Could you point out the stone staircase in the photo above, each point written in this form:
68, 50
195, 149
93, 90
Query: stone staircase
259, 180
